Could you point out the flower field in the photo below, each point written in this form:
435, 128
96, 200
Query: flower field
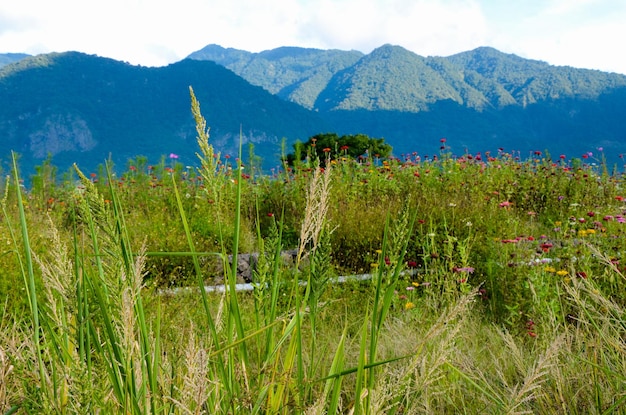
497, 286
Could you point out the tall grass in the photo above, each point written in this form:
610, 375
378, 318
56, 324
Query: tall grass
491, 288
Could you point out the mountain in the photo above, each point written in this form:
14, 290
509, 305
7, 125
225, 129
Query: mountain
480, 99
7, 58
82, 108
390, 78
294, 74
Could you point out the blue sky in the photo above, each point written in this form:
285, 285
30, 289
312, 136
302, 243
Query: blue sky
579, 33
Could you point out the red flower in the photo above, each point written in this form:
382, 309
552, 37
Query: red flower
442, 140
344, 148
326, 150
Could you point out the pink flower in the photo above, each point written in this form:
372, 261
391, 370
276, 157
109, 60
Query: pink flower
505, 204
173, 156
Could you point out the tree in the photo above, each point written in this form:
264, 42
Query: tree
326, 145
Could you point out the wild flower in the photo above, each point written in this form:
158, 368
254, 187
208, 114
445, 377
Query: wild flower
173, 156
409, 305
561, 273
549, 269
505, 204
467, 270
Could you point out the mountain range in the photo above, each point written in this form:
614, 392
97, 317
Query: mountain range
85, 108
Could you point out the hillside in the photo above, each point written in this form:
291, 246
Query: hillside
82, 108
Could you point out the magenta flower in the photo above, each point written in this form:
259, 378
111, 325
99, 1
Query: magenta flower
173, 156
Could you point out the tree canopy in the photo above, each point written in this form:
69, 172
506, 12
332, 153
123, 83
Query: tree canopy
331, 145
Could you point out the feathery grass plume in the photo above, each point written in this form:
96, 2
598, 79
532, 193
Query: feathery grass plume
420, 378
317, 198
523, 394
70, 377
399, 234
209, 160
197, 385
58, 282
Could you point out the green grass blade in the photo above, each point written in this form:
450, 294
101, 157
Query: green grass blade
29, 276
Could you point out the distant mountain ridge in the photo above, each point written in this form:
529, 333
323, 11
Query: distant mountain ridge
79, 107
394, 78
7, 58
294, 74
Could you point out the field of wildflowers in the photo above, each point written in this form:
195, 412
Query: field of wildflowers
496, 286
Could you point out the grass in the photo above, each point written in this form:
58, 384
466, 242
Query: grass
496, 287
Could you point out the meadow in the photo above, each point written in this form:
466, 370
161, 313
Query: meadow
495, 285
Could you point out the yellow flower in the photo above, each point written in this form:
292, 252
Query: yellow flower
557, 223
409, 306
416, 284
374, 265
379, 251
561, 273
549, 269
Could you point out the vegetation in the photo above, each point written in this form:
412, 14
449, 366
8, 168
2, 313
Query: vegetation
492, 285
330, 146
